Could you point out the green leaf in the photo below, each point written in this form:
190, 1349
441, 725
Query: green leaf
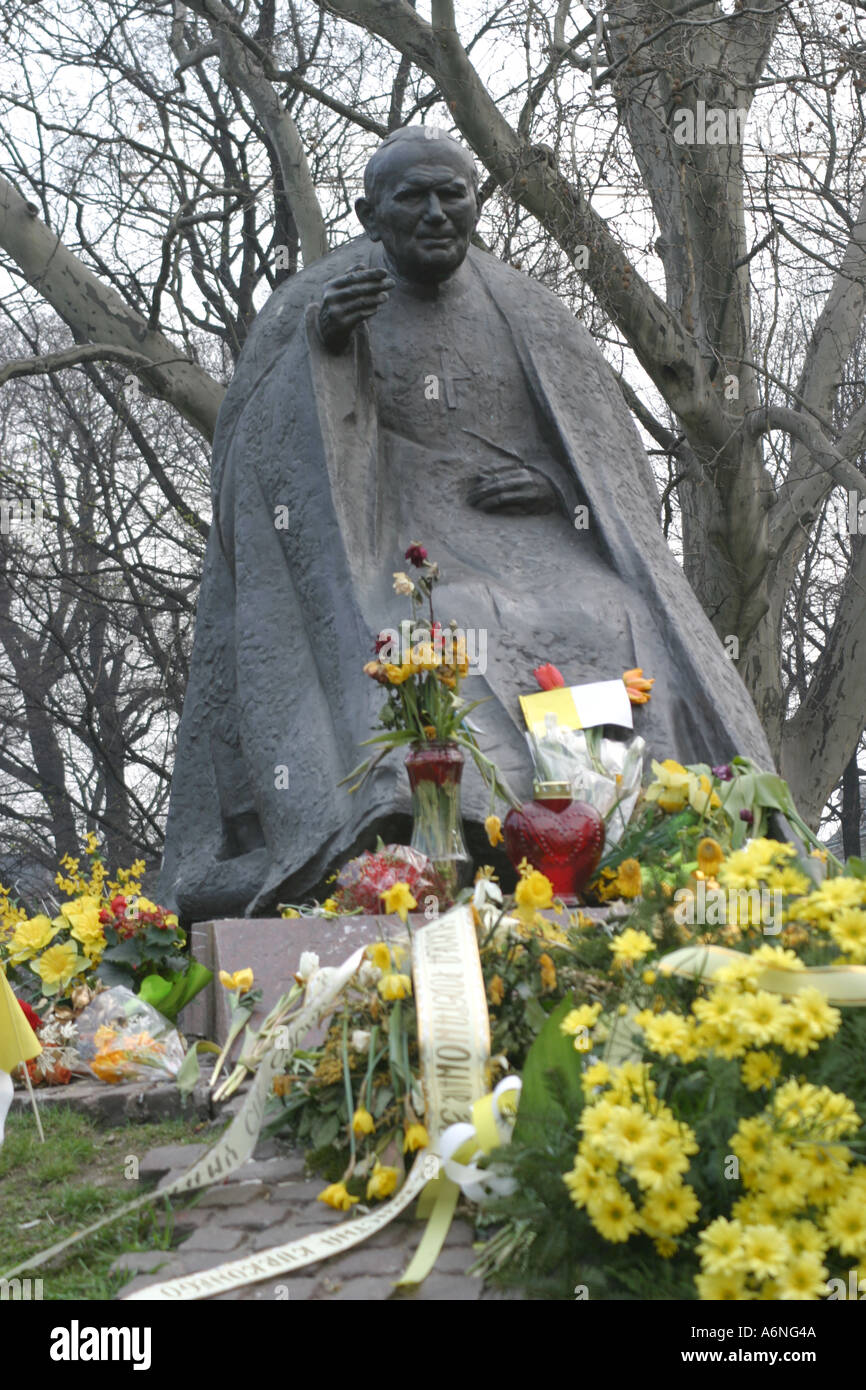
552, 1088
855, 867
171, 995
189, 1070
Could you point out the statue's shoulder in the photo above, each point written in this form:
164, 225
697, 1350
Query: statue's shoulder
520, 293
291, 298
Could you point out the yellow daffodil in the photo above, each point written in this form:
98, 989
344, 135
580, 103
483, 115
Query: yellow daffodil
29, 938
493, 826
710, 856
382, 1182
330, 905
58, 965
534, 891
671, 786
399, 899
241, 980
702, 798
362, 1121
337, 1196
416, 1138
380, 954
394, 986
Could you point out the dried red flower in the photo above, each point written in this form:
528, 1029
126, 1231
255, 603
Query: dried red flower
416, 555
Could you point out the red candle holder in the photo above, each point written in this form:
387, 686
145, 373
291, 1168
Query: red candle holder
560, 837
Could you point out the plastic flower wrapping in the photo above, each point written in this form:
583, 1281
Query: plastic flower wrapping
604, 772
123, 1038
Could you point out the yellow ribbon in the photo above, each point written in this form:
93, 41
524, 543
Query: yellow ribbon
840, 984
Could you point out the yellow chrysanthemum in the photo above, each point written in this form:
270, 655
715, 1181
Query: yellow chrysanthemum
547, 971
721, 1288
589, 1182
845, 1224
670, 1211
628, 883
766, 1251
848, 930
496, 991
584, 1017
613, 1214
666, 1033
631, 946
759, 1070
720, 1246
762, 1015
804, 1277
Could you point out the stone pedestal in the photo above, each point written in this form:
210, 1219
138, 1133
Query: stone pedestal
272, 948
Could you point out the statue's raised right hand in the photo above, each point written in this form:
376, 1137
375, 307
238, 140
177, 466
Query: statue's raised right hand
349, 299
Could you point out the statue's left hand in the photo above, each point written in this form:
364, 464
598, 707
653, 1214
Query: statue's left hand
511, 487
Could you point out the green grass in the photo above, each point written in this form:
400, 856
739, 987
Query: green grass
70, 1181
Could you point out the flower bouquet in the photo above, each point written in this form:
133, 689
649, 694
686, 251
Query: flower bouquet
421, 667
105, 932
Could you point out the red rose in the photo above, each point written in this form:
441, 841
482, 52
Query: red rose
118, 905
105, 916
548, 677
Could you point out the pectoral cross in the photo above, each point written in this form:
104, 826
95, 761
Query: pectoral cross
450, 380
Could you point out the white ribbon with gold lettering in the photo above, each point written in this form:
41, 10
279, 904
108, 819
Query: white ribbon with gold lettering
454, 1040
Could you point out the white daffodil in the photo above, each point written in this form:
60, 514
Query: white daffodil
307, 968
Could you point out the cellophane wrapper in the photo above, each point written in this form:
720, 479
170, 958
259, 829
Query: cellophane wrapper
604, 772
123, 1038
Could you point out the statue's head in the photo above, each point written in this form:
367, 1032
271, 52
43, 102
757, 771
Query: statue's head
421, 201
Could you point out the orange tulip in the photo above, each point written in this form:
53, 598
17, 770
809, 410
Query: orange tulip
638, 685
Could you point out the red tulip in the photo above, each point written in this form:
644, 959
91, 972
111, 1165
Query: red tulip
548, 677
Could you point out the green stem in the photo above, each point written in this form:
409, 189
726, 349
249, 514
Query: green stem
350, 1104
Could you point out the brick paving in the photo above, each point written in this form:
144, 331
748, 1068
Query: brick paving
269, 1201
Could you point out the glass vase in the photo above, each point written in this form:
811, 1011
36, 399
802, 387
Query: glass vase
435, 770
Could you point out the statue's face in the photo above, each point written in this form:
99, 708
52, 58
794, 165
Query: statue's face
424, 211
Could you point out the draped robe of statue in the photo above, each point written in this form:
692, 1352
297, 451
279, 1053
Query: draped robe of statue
326, 467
